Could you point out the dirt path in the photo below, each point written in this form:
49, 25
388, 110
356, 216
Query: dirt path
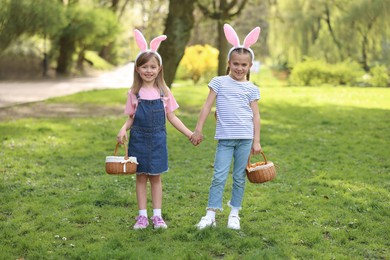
44, 110
13, 93
21, 99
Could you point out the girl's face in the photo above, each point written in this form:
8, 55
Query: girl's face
149, 71
240, 65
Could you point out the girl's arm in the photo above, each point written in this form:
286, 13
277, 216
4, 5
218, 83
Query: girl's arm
256, 147
204, 113
122, 135
178, 124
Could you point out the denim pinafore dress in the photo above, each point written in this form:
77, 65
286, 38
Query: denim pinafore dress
148, 137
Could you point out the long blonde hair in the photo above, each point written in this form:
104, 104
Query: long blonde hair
159, 82
240, 51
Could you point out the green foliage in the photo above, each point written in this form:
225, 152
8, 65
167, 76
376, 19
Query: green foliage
29, 17
92, 27
199, 62
330, 30
318, 72
379, 76
69, 27
86, 28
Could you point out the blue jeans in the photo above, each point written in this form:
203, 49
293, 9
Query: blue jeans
239, 149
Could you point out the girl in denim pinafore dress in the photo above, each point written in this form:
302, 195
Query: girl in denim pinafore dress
149, 103
148, 137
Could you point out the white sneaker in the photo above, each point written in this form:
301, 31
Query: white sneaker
206, 222
234, 222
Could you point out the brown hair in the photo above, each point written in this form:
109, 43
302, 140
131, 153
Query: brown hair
159, 82
240, 51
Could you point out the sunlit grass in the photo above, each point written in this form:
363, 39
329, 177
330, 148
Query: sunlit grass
330, 198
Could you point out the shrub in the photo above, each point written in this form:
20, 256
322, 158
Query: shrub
345, 73
310, 72
379, 77
198, 62
318, 72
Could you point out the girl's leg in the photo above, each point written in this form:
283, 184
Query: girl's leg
142, 219
156, 188
223, 159
141, 181
241, 155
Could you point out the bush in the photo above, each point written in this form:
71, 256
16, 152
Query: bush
379, 77
318, 72
310, 72
198, 62
345, 73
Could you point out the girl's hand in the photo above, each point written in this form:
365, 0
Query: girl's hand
122, 136
196, 138
256, 148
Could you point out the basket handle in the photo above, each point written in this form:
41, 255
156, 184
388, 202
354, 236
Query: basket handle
126, 151
250, 155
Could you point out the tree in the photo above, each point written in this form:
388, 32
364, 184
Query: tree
28, 17
86, 28
332, 30
106, 50
369, 20
178, 28
222, 11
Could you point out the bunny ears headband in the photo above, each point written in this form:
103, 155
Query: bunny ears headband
143, 45
233, 39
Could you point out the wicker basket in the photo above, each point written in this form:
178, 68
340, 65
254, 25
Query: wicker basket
260, 172
121, 164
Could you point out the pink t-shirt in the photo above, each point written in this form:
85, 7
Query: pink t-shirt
170, 103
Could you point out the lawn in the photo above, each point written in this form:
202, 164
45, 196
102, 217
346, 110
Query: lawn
330, 199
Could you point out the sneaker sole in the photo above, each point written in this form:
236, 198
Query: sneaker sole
136, 228
160, 227
234, 228
213, 225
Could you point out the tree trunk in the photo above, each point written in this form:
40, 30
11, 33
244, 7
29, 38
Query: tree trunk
222, 14
331, 31
364, 54
64, 61
80, 61
178, 28
223, 47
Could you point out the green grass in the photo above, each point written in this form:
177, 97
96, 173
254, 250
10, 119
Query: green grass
330, 199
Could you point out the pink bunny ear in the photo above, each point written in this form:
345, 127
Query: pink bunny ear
155, 43
231, 35
140, 39
252, 37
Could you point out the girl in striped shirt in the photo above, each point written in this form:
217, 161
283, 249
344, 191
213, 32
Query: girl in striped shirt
237, 130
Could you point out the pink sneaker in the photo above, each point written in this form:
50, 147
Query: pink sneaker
142, 222
158, 222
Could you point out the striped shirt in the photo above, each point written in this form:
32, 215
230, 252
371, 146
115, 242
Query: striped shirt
234, 114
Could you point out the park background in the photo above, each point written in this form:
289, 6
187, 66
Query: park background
323, 73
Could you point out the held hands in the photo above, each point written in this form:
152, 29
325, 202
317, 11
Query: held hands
196, 138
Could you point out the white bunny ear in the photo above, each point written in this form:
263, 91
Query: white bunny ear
252, 37
155, 43
231, 35
140, 39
